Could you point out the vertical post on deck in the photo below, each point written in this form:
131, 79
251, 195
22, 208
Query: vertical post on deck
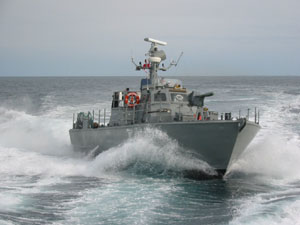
126, 114
248, 114
104, 116
133, 114
146, 119
99, 117
159, 108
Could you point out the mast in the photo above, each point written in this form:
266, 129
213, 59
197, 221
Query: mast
155, 58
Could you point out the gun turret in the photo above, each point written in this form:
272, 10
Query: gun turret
198, 99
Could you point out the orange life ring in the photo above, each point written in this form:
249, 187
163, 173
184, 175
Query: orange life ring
132, 99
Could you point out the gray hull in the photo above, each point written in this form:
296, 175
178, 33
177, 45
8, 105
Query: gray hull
219, 143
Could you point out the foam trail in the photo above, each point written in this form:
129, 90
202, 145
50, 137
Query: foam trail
277, 207
272, 161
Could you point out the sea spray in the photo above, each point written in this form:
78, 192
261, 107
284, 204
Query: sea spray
34, 133
153, 148
273, 158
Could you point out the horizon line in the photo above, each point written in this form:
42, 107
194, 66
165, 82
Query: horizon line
57, 76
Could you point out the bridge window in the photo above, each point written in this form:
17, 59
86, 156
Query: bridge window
160, 97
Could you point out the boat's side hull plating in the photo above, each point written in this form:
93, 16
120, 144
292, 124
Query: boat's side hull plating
219, 143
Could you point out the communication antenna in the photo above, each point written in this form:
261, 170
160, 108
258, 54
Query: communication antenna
173, 63
177, 61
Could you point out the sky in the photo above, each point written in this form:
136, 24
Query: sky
98, 37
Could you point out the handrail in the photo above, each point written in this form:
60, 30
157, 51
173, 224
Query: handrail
130, 117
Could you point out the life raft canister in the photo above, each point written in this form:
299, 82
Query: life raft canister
132, 99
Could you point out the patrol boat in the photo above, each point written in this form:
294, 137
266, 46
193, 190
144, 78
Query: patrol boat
165, 104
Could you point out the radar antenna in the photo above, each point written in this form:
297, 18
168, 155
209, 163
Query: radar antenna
155, 42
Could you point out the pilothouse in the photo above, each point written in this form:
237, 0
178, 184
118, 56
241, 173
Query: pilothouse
159, 99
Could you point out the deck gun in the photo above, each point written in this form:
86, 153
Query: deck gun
196, 99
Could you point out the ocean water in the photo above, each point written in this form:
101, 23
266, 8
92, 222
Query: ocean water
42, 181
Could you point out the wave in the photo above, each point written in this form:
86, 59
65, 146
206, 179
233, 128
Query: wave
40, 145
278, 207
271, 158
150, 150
275, 152
34, 133
292, 92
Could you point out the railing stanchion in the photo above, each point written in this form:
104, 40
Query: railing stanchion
99, 117
73, 125
104, 116
248, 114
202, 114
126, 115
123, 117
133, 114
119, 119
159, 108
147, 111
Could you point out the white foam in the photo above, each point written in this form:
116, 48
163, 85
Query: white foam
149, 146
267, 209
275, 152
271, 157
9, 201
34, 133
16, 162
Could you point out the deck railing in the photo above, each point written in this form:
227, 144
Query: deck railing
101, 117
